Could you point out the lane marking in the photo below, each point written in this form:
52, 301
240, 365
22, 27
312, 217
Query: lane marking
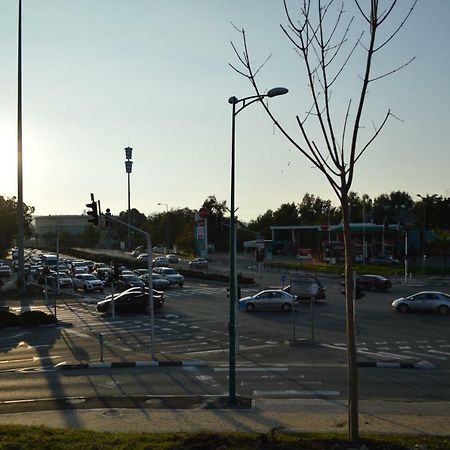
297, 392
427, 355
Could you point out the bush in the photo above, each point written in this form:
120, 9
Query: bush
32, 318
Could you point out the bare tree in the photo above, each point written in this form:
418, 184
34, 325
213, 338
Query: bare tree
321, 37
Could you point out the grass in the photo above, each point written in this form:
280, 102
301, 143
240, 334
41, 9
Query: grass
16, 437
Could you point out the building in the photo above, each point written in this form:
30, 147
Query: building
45, 227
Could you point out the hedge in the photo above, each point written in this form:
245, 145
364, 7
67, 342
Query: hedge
25, 319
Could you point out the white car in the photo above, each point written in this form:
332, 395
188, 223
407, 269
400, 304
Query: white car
79, 267
170, 274
271, 299
172, 259
88, 282
160, 261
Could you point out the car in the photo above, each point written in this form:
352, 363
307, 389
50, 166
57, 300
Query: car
130, 301
5, 271
358, 291
198, 263
171, 275
140, 272
65, 281
432, 301
87, 282
160, 261
127, 281
142, 257
384, 260
172, 259
79, 267
270, 299
321, 293
103, 273
373, 282
159, 282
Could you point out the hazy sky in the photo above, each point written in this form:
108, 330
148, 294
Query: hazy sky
154, 75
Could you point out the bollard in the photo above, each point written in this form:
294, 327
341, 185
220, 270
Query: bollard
100, 341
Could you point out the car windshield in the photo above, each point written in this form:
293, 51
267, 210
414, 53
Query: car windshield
89, 277
171, 272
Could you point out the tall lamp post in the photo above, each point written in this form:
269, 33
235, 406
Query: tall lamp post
424, 239
20, 209
167, 224
128, 168
237, 106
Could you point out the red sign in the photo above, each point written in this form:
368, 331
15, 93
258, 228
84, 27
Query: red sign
203, 212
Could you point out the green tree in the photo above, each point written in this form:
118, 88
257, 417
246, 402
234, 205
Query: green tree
8, 222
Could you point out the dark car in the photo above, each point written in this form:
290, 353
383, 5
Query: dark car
128, 281
321, 293
384, 260
131, 301
373, 282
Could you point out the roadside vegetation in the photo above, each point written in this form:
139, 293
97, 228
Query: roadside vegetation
23, 438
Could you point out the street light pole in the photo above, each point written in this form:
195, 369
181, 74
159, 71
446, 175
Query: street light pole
234, 101
20, 208
128, 169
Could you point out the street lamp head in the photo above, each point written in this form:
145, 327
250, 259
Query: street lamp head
276, 91
128, 152
233, 100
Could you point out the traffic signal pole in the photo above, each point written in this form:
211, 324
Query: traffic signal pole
150, 282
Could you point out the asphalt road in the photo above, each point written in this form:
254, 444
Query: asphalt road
193, 325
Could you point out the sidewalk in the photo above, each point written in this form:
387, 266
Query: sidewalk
282, 414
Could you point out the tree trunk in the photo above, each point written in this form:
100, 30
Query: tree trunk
352, 367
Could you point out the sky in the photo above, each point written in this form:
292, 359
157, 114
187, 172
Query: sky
154, 75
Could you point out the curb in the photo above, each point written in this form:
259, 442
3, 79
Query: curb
396, 365
122, 364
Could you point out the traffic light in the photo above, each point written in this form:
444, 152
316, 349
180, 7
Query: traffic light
94, 212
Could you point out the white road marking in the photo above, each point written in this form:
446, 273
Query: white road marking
437, 351
426, 355
297, 392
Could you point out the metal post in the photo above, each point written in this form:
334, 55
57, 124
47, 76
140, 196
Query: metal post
20, 208
293, 319
232, 306
406, 256
45, 289
424, 237
364, 235
113, 301
58, 289
312, 318
150, 296
128, 214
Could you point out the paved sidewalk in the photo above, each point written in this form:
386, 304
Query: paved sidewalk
285, 415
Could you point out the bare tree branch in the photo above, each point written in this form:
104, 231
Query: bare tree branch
393, 71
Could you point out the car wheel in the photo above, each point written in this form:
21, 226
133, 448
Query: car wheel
286, 307
249, 307
443, 309
403, 308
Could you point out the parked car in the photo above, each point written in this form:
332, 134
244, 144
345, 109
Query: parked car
127, 281
384, 260
140, 272
142, 257
373, 282
273, 299
198, 263
159, 282
5, 271
103, 273
423, 301
160, 261
321, 293
88, 282
172, 259
171, 275
131, 301
358, 291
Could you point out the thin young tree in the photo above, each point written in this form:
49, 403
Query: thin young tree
321, 36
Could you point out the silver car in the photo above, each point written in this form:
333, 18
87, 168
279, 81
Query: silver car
273, 299
423, 301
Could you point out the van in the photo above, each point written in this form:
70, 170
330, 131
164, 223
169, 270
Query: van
50, 260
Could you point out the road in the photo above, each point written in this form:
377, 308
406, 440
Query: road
193, 326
